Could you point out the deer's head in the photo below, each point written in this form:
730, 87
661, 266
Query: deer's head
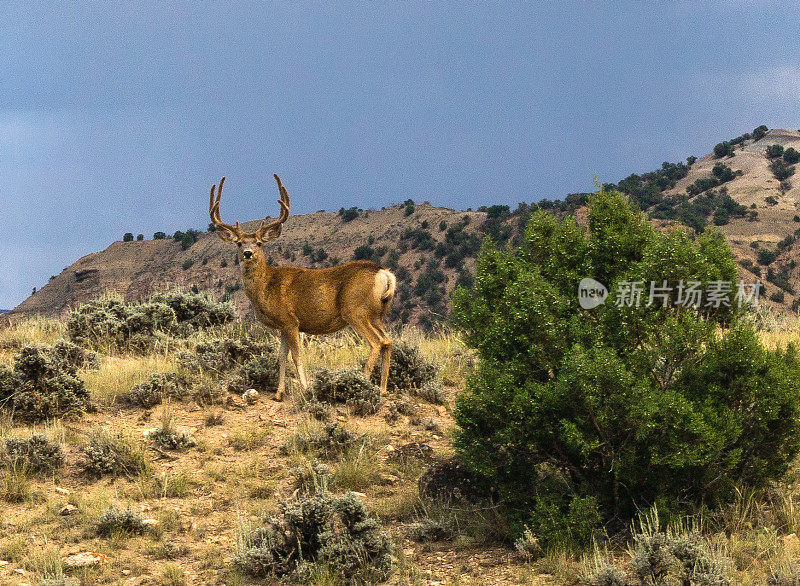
250, 244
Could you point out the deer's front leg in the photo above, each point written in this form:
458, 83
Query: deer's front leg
282, 368
293, 338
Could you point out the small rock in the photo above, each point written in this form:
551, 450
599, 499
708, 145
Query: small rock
84, 559
3, 563
358, 494
390, 448
150, 523
19, 571
61, 490
389, 479
126, 572
68, 510
250, 396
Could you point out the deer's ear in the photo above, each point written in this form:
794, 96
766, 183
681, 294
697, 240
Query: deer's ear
226, 234
273, 232
269, 232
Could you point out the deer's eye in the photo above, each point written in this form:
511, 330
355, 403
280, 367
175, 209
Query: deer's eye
258, 243
239, 244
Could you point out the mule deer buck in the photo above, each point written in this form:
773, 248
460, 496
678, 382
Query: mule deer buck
314, 301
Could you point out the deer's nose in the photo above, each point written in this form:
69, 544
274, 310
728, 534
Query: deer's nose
247, 253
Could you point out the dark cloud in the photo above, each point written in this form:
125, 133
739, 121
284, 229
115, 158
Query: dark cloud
118, 119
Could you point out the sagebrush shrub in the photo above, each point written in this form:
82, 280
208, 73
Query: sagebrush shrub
222, 355
408, 369
114, 521
629, 405
335, 533
152, 392
606, 575
35, 454
42, 384
432, 392
111, 322
113, 453
350, 387
259, 373
312, 477
172, 439
68, 353
333, 441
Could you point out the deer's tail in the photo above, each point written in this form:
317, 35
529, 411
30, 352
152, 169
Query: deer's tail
385, 285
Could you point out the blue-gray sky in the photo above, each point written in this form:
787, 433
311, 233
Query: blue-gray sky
118, 117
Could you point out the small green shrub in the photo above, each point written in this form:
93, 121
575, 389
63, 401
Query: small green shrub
36, 454
350, 387
42, 384
116, 522
153, 391
318, 533
774, 151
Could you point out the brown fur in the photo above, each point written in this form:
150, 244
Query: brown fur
313, 301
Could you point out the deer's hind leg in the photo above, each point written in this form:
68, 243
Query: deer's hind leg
386, 353
380, 345
362, 327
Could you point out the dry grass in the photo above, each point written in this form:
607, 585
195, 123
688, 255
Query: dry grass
118, 374
34, 330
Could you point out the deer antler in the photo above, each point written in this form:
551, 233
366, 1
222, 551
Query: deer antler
213, 211
274, 228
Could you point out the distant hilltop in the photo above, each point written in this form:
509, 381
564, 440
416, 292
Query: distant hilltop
746, 187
